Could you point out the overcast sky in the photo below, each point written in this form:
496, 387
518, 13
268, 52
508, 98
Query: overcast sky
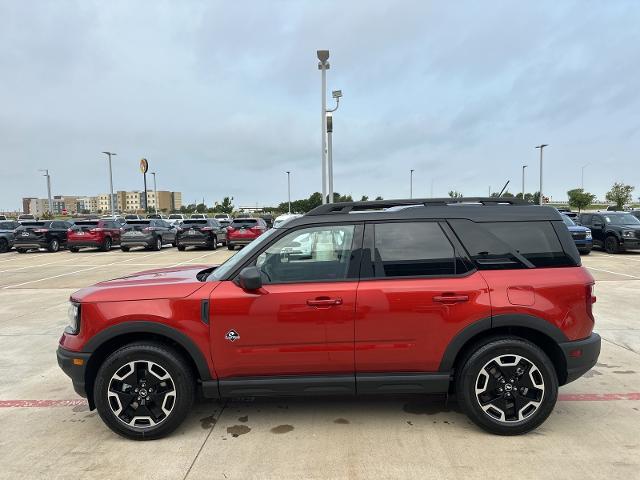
224, 97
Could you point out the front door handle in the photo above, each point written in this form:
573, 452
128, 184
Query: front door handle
449, 298
324, 302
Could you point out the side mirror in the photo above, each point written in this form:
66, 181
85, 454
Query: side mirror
250, 279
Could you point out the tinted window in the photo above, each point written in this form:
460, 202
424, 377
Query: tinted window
244, 223
585, 218
412, 249
7, 226
498, 245
624, 219
194, 222
567, 221
310, 254
175, 217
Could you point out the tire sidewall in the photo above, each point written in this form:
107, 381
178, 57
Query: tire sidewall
469, 373
54, 245
614, 244
168, 360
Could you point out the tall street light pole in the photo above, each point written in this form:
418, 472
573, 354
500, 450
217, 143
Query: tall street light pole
335, 94
323, 66
411, 183
46, 174
523, 167
113, 209
155, 192
289, 189
582, 176
541, 147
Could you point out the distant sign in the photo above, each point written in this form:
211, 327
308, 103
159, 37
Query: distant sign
144, 165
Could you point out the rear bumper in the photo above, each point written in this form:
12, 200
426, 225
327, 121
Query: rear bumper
85, 243
74, 364
194, 241
30, 244
141, 241
240, 241
580, 356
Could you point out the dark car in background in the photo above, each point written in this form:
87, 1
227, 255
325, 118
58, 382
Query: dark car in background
49, 234
614, 231
7, 234
151, 234
102, 234
581, 235
243, 231
635, 213
200, 233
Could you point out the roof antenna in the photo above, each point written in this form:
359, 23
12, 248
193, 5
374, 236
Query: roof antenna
503, 188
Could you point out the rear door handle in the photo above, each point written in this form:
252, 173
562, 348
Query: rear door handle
451, 298
324, 302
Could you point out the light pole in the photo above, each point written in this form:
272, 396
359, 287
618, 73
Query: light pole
523, 167
289, 189
46, 174
335, 94
582, 176
155, 192
113, 210
541, 147
411, 183
323, 66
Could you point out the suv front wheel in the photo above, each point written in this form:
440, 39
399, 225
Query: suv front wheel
144, 391
507, 386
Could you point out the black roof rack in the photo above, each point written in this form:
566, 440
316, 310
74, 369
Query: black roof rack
346, 207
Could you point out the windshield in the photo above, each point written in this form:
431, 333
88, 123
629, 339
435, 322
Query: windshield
240, 257
567, 221
624, 219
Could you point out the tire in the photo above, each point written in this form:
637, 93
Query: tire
585, 252
124, 248
4, 245
53, 245
181, 248
147, 365
158, 245
214, 244
611, 245
519, 402
106, 246
21, 250
74, 249
230, 247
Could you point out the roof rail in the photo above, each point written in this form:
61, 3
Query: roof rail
346, 207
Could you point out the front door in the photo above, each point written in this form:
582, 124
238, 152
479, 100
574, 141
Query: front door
301, 321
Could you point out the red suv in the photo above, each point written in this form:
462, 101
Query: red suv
102, 234
243, 231
482, 298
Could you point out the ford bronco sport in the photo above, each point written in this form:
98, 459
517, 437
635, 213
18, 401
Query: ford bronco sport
482, 298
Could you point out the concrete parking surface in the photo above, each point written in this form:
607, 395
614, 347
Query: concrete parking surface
47, 431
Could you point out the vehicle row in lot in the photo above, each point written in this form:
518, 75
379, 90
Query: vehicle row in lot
581, 235
616, 232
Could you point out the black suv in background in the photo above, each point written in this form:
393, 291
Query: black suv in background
149, 233
7, 229
49, 234
613, 231
200, 233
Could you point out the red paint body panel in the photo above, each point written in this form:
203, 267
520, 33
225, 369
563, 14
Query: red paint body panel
559, 296
280, 334
400, 327
95, 234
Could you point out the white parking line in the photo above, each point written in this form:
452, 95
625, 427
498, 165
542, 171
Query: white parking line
613, 273
75, 271
194, 258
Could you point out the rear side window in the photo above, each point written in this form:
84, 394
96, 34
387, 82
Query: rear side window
507, 245
412, 249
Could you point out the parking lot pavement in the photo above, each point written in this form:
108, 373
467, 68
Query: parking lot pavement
47, 429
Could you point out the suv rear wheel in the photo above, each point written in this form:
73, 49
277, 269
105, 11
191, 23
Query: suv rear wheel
54, 245
143, 391
106, 246
507, 386
4, 245
158, 245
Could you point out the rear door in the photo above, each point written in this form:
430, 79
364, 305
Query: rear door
417, 291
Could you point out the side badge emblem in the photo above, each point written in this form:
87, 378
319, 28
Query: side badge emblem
232, 336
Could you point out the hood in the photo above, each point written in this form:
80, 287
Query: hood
578, 228
174, 282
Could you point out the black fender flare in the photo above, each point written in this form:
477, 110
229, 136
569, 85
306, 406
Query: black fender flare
498, 321
154, 328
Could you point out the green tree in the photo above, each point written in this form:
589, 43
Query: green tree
225, 206
201, 208
620, 194
455, 194
580, 199
379, 198
364, 198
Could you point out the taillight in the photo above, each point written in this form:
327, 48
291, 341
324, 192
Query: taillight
590, 299
206, 229
230, 229
149, 229
94, 230
41, 230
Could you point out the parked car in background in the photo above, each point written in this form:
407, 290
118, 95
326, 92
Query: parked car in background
151, 234
101, 233
132, 216
157, 215
223, 216
175, 218
7, 234
198, 215
243, 231
635, 213
26, 217
282, 219
3, 217
613, 231
224, 223
581, 235
49, 234
200, 233
268, 219
119, 219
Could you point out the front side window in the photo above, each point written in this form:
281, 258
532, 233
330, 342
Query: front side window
317, 254
412, 249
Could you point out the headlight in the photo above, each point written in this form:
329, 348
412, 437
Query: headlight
628, 234
588, 233
74, 319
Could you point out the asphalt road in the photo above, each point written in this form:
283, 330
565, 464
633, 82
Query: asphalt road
46, 430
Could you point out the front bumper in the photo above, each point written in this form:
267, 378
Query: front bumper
74, 364
580, 356
630, 244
